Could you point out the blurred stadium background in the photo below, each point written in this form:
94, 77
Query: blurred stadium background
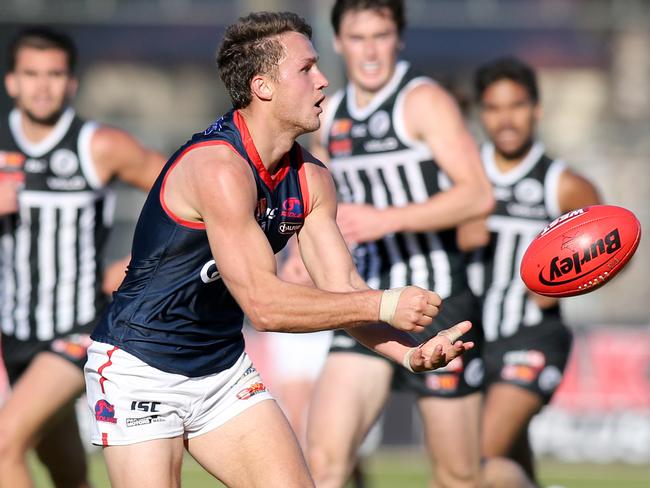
148, 66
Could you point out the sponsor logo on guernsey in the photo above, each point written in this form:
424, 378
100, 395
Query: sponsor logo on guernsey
251, 391
292, 207
289, 227
379, 124
382, 145
520, 210
209, 272
569, 269
35, 166
260, 209
529, 191
64, 163
359, 130
341, 127
105, 412
339, 148
70, 184
11, 160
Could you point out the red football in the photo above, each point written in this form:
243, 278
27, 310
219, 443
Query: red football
580, 251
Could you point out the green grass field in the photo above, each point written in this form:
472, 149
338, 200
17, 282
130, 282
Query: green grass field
408, 469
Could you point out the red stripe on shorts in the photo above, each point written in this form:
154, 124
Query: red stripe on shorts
105, 365
104, 439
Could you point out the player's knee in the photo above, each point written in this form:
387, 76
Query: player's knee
12, 448
504, 473
457, 476
327, 469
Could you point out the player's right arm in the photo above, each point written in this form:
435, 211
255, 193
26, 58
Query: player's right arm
223, 196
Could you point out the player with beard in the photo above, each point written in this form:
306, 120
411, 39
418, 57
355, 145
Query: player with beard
526, 342
55, 214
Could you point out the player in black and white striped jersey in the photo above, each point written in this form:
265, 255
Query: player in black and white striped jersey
407, 173
52, 238
527, 344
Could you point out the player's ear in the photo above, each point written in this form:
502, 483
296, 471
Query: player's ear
72, 86
537, 112
262, 88
336, 44
11, 85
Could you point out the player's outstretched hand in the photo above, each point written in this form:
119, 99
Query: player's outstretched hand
410, 308
439, 350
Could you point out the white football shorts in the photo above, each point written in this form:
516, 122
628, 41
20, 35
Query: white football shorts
298, 356
133, 402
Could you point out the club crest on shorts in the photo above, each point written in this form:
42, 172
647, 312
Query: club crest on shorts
105, 412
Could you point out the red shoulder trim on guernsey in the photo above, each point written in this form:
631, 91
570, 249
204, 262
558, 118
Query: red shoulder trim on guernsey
180, 221
270, 180
304, 188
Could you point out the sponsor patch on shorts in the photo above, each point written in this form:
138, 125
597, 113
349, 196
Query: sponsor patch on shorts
137, 422
251, 391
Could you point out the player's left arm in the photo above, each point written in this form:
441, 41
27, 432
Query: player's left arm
432, 116
573, 191
331, 268
117, 154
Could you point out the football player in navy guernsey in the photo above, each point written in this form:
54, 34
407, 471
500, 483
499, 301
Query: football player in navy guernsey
167, 369
407, 173
526, 342
55, 214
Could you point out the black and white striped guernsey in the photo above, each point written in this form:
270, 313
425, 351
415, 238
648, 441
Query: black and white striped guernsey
374, 161
526, 201
50, 251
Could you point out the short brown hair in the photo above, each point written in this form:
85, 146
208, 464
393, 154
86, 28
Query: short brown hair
396, 8
250, 47
41, 37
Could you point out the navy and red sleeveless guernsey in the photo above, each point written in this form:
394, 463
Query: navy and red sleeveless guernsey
173, 311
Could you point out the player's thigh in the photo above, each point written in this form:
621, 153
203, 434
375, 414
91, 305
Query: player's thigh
507, 412
452, 430
348, 398
150, 463
47, 385
256, 448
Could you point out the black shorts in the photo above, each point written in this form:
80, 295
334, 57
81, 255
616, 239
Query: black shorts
534, 358
459, 378
18, 355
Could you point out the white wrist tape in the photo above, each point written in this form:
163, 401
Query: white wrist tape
388, 304
406, 361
